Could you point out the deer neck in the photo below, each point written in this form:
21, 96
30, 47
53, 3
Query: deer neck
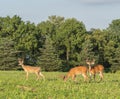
23, 66
89, 67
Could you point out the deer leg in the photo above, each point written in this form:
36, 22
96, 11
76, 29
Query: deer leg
73, 77
101, 76
94, 76
90, 76
42, 75
38, 76
85, 77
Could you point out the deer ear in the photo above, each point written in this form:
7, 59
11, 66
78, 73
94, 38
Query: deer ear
93, 62
20, 60
87, 61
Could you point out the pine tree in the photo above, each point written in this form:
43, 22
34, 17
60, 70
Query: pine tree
49, 60
7, 54
86, 53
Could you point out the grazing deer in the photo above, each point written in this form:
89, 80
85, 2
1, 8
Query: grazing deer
77, 71
30, 69
95, 69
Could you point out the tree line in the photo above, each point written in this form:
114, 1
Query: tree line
57, 44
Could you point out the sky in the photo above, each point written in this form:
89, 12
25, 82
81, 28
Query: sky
93, 13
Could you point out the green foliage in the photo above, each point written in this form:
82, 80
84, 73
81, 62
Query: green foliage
69, 37
7, 54
113, 45
49, 60
71, 43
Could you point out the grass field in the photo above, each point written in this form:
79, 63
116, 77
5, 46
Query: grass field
14, 86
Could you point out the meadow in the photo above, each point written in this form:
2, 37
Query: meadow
13, 85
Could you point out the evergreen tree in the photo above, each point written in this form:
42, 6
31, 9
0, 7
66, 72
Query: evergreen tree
112, 48
49, 60
7, 54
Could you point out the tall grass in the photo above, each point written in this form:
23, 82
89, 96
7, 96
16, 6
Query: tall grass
13, 85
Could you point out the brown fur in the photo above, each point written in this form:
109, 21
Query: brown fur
93, 70
30, 69
77, 71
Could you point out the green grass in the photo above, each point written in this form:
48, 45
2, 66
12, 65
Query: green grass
14, 86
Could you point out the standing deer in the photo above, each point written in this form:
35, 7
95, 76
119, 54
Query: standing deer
30, 69
77, 71
93, 70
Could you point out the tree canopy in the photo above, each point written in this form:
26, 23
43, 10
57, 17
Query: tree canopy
61, 43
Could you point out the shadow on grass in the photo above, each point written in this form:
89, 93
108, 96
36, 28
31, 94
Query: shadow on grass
52, 79
115, 81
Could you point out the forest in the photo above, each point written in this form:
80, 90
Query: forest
57, 44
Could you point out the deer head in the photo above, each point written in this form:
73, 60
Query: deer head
93, 62
89, 62
20, 61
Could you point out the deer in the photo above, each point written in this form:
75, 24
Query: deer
93, 70
31, 69
73, 72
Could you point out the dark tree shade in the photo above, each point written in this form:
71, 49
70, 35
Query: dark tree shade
49, 60
7, 54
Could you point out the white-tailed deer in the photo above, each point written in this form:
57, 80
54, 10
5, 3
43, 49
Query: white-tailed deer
30, 69
93, 70
73, 72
